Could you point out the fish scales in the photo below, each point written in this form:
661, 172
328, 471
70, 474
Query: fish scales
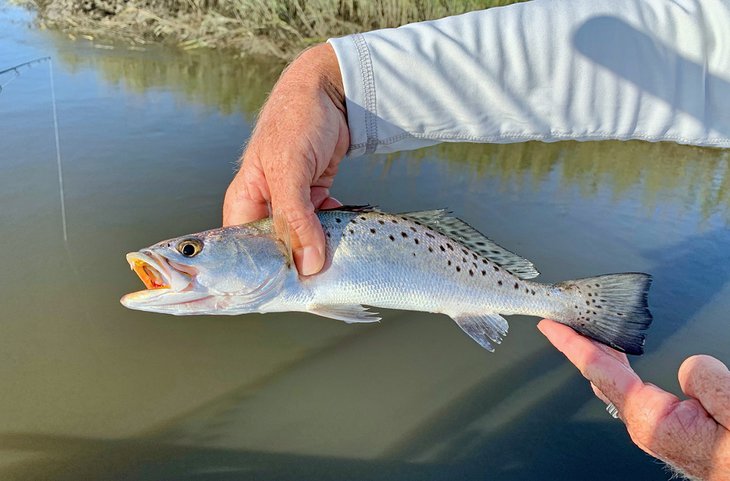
390, 261
422, 261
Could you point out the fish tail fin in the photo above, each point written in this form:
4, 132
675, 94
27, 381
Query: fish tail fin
612, 309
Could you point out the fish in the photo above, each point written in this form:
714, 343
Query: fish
426, 261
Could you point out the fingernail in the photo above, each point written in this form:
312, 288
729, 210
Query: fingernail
309, 259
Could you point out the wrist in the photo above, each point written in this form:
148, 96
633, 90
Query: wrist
318, 68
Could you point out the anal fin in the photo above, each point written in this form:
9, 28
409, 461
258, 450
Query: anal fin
486, 329
350, 313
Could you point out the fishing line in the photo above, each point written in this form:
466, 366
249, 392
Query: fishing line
58, 155
15, 70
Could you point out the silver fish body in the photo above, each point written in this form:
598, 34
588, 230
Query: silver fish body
421, 261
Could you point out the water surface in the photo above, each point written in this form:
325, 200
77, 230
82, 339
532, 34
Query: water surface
149, 139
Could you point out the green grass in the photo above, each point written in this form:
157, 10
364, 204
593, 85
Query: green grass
280, 27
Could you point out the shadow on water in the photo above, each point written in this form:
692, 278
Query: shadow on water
687, 277
533, 442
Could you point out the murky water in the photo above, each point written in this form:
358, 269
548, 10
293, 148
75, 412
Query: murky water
91, 391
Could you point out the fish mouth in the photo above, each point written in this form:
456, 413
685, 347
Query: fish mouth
149, 272
160, 277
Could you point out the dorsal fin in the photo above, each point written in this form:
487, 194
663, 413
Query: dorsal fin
465, 234
353, 208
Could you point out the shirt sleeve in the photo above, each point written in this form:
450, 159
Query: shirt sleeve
549, 70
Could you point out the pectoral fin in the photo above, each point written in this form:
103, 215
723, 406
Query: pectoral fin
485, 329
349, 313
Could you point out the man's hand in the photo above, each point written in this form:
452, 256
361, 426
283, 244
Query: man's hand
692, 435
291, 160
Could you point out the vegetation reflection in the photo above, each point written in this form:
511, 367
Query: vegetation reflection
695, 179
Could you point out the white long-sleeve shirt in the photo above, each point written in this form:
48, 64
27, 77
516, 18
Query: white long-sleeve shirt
543, 70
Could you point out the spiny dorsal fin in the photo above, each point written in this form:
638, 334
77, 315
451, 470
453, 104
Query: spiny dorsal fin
485, 329
353, 208
462, 232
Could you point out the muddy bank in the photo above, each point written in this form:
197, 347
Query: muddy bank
248, 26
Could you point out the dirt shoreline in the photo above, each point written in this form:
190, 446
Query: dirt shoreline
279, 29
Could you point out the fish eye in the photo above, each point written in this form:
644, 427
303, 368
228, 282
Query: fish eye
190, 247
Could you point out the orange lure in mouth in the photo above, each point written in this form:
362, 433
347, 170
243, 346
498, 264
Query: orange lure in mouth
150, 276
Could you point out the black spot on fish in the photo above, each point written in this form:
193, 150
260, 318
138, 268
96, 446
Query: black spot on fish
475, 265
471, 272
597, 285
474, 256
391, 237
533, 292
527, 291
414, 254
328, 235
353, 221
598, 306
590, 295
463, 259
363, 217
588, 303
620, 314
499, 282
480, 243
517, 286
484, 261
416, 241
394, 221
484, 273
495, 252
381, 221
466, 253
352, 231
404, 235
338, 220
413, 229
449, 262
430, 249
417, 223
496, 269
449, 247
430, 235
458, 269
372, 231
442, 248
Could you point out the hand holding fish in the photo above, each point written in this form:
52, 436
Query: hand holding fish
292, 157
691, 435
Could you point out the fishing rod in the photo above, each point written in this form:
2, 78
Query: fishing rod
16, 69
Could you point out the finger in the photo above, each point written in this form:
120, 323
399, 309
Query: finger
239, 208
608, 372
707, 380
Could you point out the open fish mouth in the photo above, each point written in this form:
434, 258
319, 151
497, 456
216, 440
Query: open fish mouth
149, 275
159, 274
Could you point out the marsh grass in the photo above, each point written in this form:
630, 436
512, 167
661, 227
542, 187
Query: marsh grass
280, 27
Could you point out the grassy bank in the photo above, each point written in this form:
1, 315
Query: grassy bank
280, 27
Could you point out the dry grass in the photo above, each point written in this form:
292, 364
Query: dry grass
279, 27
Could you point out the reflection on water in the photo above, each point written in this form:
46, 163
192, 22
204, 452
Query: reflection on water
149, 139
665, 171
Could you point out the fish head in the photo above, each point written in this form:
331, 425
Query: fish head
227, 270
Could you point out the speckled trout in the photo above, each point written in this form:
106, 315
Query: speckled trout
420, 261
